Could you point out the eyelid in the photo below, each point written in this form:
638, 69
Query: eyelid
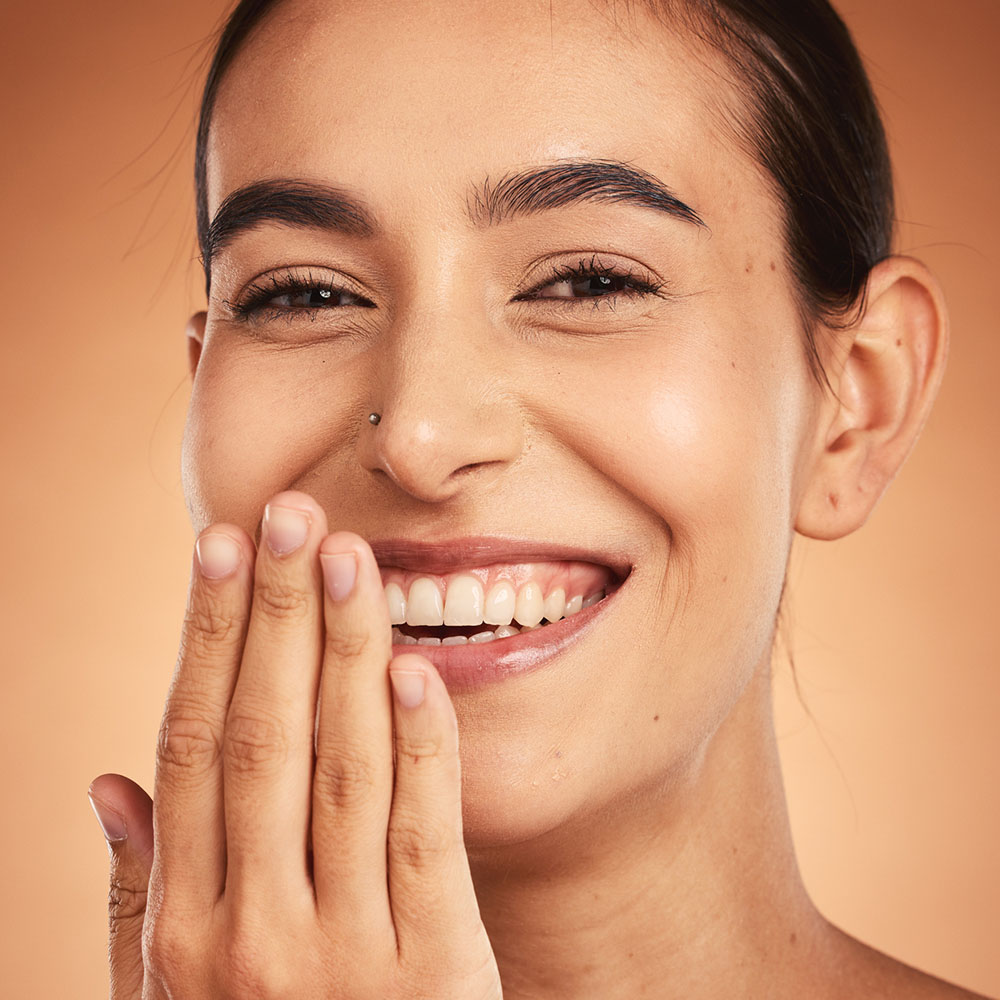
255, 294
648, 282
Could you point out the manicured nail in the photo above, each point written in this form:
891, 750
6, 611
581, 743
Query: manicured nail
340, 570
286, 528
218, 555
408, 686
112, 824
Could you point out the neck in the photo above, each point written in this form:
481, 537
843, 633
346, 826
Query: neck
690, 891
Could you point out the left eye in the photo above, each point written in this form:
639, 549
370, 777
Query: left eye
584, 286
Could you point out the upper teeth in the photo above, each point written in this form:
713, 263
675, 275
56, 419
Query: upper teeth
465, 603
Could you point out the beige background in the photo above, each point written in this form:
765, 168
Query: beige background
894, 779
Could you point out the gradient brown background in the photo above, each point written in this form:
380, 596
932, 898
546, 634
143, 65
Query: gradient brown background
894, 772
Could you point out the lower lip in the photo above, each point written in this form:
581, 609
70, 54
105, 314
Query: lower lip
476, 664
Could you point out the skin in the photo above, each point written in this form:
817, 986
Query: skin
619, 827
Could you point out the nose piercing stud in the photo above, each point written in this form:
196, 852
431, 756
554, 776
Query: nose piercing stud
374, 418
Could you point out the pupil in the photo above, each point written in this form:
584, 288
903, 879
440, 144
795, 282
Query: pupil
600, 283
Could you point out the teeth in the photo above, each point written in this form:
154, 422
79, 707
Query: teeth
454, 640
500, 602
428, 640
424, 604
397, 603
555, 605
529, 607
463, 604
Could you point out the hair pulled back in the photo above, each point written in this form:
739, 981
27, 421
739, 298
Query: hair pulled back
810, 120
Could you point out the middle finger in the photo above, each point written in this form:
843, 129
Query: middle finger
269, 729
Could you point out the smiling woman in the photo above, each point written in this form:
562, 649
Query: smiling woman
535, 332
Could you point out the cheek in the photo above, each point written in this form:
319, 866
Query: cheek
257, 423
702, 431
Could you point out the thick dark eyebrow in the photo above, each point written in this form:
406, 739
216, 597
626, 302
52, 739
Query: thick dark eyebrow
569, 182
296, 203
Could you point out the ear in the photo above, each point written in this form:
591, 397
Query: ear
884, 377
195, 339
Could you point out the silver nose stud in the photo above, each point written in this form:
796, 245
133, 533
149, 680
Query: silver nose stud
374, 419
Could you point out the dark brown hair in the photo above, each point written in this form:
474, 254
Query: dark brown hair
809, 118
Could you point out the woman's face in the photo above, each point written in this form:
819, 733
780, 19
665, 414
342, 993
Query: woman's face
663, 433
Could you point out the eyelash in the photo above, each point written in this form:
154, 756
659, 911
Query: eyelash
253, 303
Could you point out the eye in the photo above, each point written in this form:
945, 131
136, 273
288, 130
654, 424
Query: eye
304, 297
584, 286
290, 294
592, 280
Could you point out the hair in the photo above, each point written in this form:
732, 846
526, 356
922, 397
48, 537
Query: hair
809, 119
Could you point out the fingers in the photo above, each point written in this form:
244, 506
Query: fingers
125, 813
268, 742
430, 886
352, 786
190, 828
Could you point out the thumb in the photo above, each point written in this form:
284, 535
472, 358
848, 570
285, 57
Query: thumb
125, 813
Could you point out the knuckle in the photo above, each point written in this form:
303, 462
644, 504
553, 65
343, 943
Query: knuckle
421, 843
344, 645
254, 741
248, 967
125, 902
344, 778
209, 626
423, 747
168, 949
281, 599
186, 741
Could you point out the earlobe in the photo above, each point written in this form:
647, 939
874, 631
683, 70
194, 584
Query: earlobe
884, 381
195, 339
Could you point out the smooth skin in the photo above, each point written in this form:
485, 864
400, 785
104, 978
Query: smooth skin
622, 829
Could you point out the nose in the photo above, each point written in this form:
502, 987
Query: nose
448, 417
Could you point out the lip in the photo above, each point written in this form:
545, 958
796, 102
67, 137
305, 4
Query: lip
449, 555
475, 665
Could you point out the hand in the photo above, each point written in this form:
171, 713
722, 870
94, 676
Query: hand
295, 855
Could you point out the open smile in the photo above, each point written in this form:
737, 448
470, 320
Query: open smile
483, 609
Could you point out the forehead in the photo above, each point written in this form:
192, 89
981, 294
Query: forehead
411, 102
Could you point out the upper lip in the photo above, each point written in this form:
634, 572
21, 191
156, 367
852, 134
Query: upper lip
451, 554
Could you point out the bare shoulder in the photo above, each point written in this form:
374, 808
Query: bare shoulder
874, 975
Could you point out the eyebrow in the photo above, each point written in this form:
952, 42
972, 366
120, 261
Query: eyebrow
569, 182
296, 203
310, 205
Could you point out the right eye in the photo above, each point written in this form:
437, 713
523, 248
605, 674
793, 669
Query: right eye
291, 294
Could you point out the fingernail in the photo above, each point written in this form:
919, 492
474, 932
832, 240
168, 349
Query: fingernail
340, 570
408, 686
286, 528
218, 555
112, 823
